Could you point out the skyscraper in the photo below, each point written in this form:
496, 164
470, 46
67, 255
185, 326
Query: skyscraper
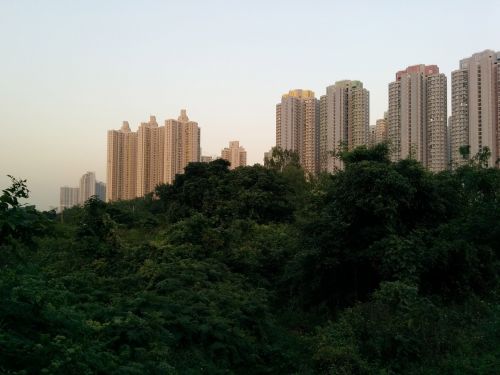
182, 145
418, 115
150, 154
100, 190
345, 115
121, 164
475, 106
87, 187
235, 154
68, 197
381, 129
139, 161
297, 127
372, 134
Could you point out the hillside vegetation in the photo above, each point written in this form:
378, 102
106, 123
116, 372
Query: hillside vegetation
382, 268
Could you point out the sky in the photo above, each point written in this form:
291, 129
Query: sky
71, 70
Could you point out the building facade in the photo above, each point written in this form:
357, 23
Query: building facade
417, 118
235, 154
87, 187
100, 190
372, 133
182, 145
381, 130
297, 127
121, 169
344, 121
475, 105
139, 161
68, 197
150, 154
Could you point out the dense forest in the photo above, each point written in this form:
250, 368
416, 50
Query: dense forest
381, 268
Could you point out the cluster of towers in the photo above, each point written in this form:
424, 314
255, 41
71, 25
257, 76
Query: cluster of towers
416, 124
139, 161
88, 186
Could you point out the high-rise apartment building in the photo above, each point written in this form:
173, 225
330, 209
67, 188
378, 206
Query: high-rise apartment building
371, 137
182, 145
139, 161
297, 127
87, 187
417, 116
323, 148
68, 197
381, 129
235, 154
475, 105
100, 190
344, 121
150, 155
121, 164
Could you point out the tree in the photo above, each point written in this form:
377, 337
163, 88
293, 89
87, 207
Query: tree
282, 159
18, 221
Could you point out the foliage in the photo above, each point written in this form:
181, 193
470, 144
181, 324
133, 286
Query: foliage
19, 222
282, 159
381, 268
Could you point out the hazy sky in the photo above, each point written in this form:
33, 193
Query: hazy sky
71, 70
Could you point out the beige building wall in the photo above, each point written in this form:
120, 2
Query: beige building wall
323, 148
173, 156
297, 127
191, 143
121, 179
278, 124
139, 161
347, 120
394, 121
475, 106
381, 131
437, 123
459, 122
371, 138
309, 136
113, 172
150, 155
182, 145
417, 118
235, 154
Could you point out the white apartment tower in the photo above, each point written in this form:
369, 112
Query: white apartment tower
417, 118
87, 187
475, 105
68, 197
297, 127
344, 121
